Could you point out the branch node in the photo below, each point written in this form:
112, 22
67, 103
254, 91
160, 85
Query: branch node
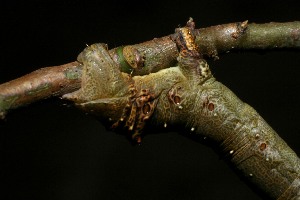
240, 29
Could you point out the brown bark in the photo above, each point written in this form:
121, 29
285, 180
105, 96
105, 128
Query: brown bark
40, 84
149, 57
243, 36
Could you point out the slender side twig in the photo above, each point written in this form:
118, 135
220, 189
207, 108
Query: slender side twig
147, 57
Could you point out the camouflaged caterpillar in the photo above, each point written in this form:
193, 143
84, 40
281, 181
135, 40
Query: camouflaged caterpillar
188, 95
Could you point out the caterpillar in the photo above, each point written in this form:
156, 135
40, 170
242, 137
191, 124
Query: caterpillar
187, 95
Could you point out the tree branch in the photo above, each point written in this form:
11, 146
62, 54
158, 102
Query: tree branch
40, 84
149, 57
241, 36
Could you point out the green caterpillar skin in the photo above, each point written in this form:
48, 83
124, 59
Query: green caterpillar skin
187, 95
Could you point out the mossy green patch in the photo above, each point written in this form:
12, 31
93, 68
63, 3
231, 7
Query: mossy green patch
39, 89
73, 74
7, 102
124, 66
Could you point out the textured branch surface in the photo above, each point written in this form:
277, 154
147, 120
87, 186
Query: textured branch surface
149, 57
40, 84
242, 36
188, 98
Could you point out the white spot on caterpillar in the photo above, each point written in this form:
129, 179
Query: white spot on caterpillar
180, 107
250, 175
231, 152
267, 159
192, 129
165, 125
204, 69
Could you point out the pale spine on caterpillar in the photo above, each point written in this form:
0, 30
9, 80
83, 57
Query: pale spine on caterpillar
187, 95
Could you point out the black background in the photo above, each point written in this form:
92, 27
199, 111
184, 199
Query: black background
52, 151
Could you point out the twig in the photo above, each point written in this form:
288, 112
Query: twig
244, 36
148, 57
40, 84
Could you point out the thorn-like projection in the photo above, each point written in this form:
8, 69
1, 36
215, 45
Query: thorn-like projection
240, 29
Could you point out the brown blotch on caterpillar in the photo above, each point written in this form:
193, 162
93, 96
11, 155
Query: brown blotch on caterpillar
263, 146
173, 95
211, 106
177, 100
146, 108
